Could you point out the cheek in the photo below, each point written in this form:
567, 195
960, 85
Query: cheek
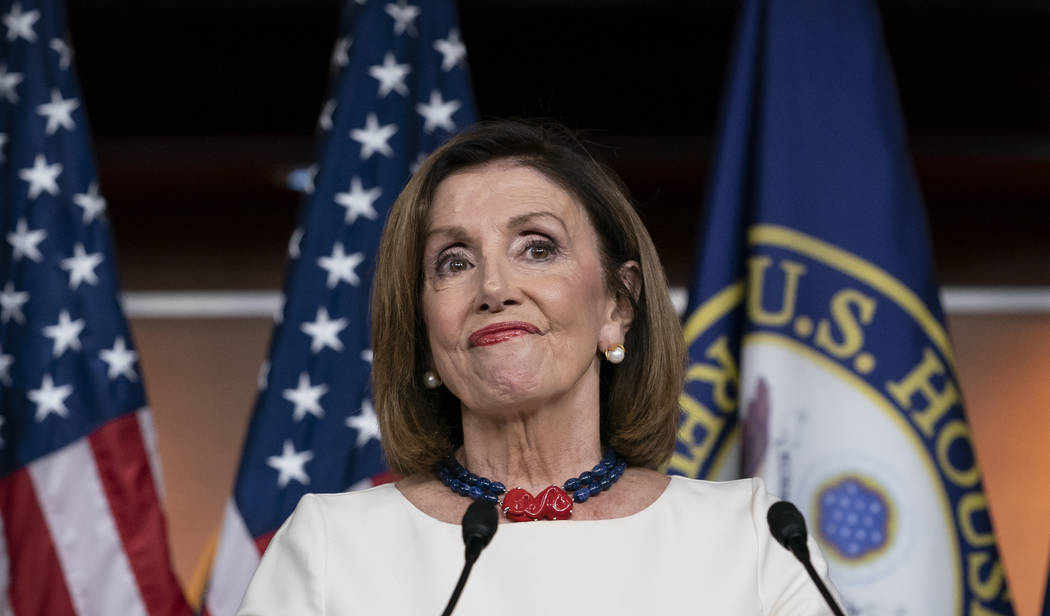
577, 303
440, 320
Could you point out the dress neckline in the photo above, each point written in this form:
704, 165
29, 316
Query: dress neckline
640, 514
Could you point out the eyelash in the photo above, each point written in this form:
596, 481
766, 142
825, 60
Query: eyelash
447, 256
545, 243
453, 253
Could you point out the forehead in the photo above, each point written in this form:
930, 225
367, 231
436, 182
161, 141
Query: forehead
498, 192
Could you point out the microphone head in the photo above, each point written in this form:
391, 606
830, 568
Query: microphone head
787, 525
480, 523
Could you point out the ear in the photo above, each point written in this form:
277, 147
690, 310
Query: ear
619, 311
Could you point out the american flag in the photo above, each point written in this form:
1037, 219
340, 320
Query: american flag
81, 525
399, 89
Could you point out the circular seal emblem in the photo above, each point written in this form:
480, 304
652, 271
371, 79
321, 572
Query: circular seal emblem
833, 381
853, 517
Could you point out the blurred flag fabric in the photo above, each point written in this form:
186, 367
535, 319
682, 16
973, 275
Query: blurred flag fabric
399, 89
819, 358
1046, 596
81, 525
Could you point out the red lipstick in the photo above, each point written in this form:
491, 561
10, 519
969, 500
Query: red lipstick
501, 332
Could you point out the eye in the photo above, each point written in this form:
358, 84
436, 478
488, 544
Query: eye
452, 261
540, 249
539, 252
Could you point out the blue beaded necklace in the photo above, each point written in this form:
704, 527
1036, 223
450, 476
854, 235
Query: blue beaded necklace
519, 505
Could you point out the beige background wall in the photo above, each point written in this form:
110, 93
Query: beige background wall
200, 376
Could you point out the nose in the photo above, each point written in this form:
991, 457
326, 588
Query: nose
498, 290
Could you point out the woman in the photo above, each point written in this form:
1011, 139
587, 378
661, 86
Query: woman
522, 330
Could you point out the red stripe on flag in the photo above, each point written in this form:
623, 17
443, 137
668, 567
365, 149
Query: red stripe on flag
123, 467
37, 582
385, 477
262, 541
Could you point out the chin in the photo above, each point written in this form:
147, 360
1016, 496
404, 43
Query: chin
508, 388
517, 384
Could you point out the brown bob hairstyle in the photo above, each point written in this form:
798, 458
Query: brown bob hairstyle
638, 397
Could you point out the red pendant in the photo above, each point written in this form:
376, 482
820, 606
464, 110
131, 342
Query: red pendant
552, 503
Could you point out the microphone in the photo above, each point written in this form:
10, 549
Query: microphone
789, 529
479, 525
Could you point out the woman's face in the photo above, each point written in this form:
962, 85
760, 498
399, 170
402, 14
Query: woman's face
514, 299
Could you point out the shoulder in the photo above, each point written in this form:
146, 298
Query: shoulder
292, 575
316, 514
731, 516
736, 499
321, 519
735, 490
359, 502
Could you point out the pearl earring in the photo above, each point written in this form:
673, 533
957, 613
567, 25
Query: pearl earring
431, 380
615, 354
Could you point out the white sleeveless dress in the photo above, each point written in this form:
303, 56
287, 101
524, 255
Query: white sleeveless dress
700, 548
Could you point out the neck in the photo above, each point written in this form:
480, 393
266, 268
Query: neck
536, 446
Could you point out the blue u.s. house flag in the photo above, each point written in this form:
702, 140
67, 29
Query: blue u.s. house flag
819, 358
399, 89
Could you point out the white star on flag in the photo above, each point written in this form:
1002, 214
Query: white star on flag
306, 398
278, 312
290, 465
19, 24
324, 332
340, 54
92, 203
41, 177
416, 164
340, 266
24, 242
358, 201
263, 379
373, 137
438, 114
365, 423
325, 119
404, 15
11, 302
65, 54
366, 355
391, 75
308, 180
9, 84
120, 360
65, 333
452, 50
58, 112
5, 367
81, 266
50, 399
294, 241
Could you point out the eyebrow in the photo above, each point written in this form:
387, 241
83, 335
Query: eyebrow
452, 231
516, 222
523, 220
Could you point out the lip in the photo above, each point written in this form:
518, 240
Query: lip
501, 332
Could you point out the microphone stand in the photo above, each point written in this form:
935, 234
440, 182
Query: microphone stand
461, 583
479, 525
798, 547
788, 527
